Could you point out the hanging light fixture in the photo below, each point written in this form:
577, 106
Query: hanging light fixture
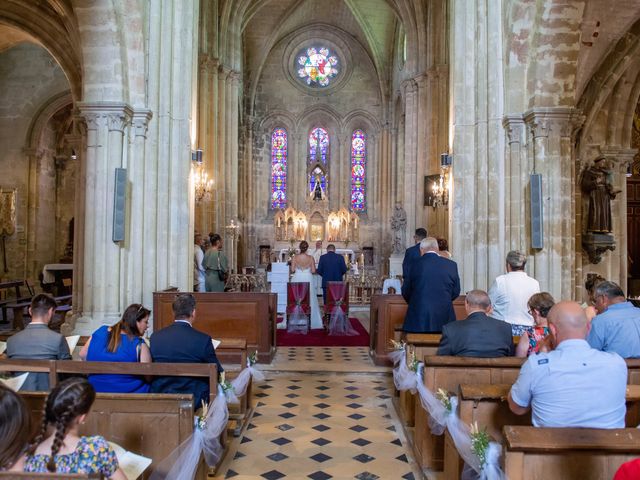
441, 187
202, 184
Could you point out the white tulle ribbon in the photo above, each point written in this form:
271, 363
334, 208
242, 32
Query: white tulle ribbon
182, 463
441, 417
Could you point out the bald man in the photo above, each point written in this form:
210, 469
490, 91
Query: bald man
573, 385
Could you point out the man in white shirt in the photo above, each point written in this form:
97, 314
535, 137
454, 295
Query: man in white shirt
510, 293
198, 269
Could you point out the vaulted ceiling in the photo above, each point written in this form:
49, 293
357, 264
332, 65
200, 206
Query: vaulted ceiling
371, 23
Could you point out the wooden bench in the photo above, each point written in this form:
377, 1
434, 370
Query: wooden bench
248, 315
149, 424
448, 373
387, 313
567, 453
487, 405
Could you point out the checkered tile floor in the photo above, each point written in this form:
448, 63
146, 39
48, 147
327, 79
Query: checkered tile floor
322, 426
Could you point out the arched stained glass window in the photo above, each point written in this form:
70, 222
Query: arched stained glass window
279, 168
318, 145
358, 171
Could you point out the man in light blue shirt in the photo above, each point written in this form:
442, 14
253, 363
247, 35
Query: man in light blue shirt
573, 385
616, 328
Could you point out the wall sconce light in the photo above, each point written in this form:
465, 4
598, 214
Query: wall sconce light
442, 187
196, 156
73, 154
629, 171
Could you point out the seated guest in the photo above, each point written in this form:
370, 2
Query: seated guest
58, 447
38, 342
628, 471
121, 343
616, 328
590, 284
533, 338
181, 343
510, 292
479, 335
573, 385
15, 430
429, 290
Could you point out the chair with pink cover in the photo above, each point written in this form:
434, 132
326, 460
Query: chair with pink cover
298, 307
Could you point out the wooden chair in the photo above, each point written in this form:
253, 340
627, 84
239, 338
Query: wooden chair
298, 307
337, 297
14, 285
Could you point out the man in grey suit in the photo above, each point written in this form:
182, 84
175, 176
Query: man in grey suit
38, 342
479, 335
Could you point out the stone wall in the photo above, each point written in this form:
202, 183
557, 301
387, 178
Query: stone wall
29, 79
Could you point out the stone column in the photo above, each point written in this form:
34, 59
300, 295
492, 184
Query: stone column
134, 288
516, 176
101, 279
409, 184
551, 132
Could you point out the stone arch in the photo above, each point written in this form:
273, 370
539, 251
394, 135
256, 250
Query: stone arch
35, 151
54, 26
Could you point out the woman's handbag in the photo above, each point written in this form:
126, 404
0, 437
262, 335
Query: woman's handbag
222, 275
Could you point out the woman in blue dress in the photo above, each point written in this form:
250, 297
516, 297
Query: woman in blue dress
120, 343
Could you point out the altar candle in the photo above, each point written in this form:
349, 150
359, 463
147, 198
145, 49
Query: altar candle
362, 259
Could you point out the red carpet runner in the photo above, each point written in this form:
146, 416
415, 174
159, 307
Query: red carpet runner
320, 338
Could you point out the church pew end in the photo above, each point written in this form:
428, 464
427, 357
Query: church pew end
569, 453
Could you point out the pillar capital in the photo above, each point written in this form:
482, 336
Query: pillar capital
514, 127
140, 121
114, 115
558, 121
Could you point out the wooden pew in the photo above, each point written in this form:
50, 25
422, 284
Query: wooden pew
423, 344
448, 373
249, 315
567, 453
386, 313
148, 424
232, 353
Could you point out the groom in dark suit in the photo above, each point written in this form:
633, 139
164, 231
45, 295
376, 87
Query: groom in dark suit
181, 343
331, 268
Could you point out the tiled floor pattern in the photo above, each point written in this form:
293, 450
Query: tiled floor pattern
320, 424
323, 359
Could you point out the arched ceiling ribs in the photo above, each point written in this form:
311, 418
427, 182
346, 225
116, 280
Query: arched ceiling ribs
42, 21
623, 57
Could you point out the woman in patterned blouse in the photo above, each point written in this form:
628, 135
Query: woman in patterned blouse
58, 447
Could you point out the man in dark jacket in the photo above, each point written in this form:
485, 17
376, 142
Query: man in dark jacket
331, 268
479, 335
430, 289
412, 254
181, 343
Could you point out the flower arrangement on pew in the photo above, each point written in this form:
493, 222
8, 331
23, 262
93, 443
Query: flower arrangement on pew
479, 443
445, 399
201, 420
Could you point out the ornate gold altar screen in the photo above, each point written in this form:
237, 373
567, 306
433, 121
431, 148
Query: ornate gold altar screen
318, 224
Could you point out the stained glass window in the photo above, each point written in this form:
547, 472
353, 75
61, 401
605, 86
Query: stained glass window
358, 171
318, 176
317, 66
279, 168
318, 145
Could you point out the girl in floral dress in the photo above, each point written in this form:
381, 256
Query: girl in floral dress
58, 447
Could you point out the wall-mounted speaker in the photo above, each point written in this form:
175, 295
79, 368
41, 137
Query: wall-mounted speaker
535, 183
119, 204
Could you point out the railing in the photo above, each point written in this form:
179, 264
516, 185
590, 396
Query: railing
363, 286
247, 282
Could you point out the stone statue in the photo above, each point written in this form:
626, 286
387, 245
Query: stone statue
596, 182
399, 227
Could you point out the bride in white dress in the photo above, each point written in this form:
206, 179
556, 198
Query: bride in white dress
303, 267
